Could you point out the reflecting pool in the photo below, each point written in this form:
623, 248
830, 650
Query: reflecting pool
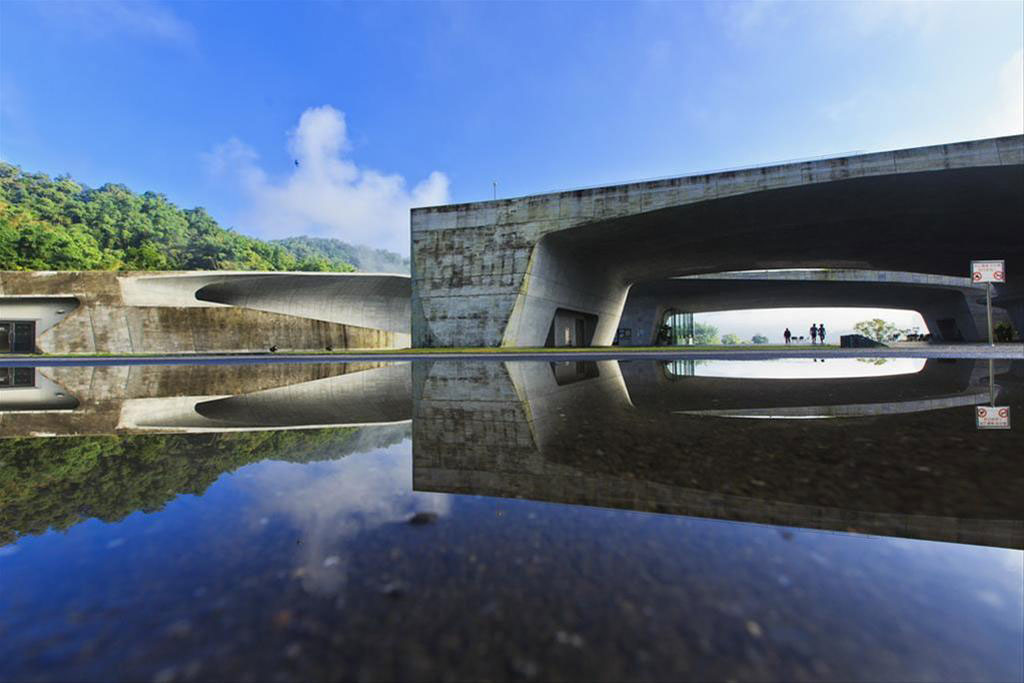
613, 520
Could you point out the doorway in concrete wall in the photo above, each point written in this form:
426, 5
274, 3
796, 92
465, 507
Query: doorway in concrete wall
571, 328
17, 336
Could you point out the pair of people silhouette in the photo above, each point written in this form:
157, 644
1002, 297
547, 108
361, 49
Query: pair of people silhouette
817, 332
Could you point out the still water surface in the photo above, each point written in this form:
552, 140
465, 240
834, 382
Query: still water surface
597, 521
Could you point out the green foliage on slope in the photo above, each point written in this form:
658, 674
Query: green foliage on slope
59, 224
366, 259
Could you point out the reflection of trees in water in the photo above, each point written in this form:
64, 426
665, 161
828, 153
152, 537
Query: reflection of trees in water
55, 483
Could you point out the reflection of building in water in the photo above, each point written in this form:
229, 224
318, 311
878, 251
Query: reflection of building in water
811, 390
202, 398
622, 438
629, 435
24, 389
106, 312
147, 434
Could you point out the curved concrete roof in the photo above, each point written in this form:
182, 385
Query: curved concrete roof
845, 275
723, 293
378, 301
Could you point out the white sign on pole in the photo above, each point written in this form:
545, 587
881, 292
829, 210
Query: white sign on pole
993, 417
988, 271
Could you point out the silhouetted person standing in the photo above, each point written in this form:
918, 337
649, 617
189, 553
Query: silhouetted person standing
788, 335
821, 332
814, 333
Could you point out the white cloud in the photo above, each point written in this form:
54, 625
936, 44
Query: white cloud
326, 194
141, 19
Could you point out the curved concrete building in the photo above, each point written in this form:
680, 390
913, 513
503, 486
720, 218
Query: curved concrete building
195, 312
556, 268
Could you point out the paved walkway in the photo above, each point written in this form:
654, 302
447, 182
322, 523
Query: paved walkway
971, 351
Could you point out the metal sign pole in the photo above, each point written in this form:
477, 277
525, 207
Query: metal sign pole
988, 310
992, 381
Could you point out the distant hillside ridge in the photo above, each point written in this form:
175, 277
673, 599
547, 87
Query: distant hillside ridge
366, 259
61, 224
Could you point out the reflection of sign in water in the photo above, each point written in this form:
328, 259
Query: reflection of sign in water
993, 417
988, 271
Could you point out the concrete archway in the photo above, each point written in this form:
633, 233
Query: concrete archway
946, 303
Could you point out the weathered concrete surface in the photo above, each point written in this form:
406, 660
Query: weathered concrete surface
493, 273
357, 299
132, 400
512, 430
159, 313
935, 297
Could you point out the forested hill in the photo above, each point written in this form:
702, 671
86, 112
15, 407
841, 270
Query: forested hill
366, 259
59, 224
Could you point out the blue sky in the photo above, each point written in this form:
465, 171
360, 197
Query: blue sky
392, 105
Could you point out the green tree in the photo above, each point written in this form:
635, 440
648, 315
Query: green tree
730, 339
59, 224
759, 339
877, 329
704, 334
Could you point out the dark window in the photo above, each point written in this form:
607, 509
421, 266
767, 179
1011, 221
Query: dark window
17, 336
17, 377
24, 338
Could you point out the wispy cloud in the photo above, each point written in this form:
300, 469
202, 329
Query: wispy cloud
140, 19
325, 194
765, 19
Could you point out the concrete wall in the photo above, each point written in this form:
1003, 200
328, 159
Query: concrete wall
492, 273
159, 313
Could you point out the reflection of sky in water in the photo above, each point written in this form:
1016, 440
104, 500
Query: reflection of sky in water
808, 368
332, 502
235, 582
